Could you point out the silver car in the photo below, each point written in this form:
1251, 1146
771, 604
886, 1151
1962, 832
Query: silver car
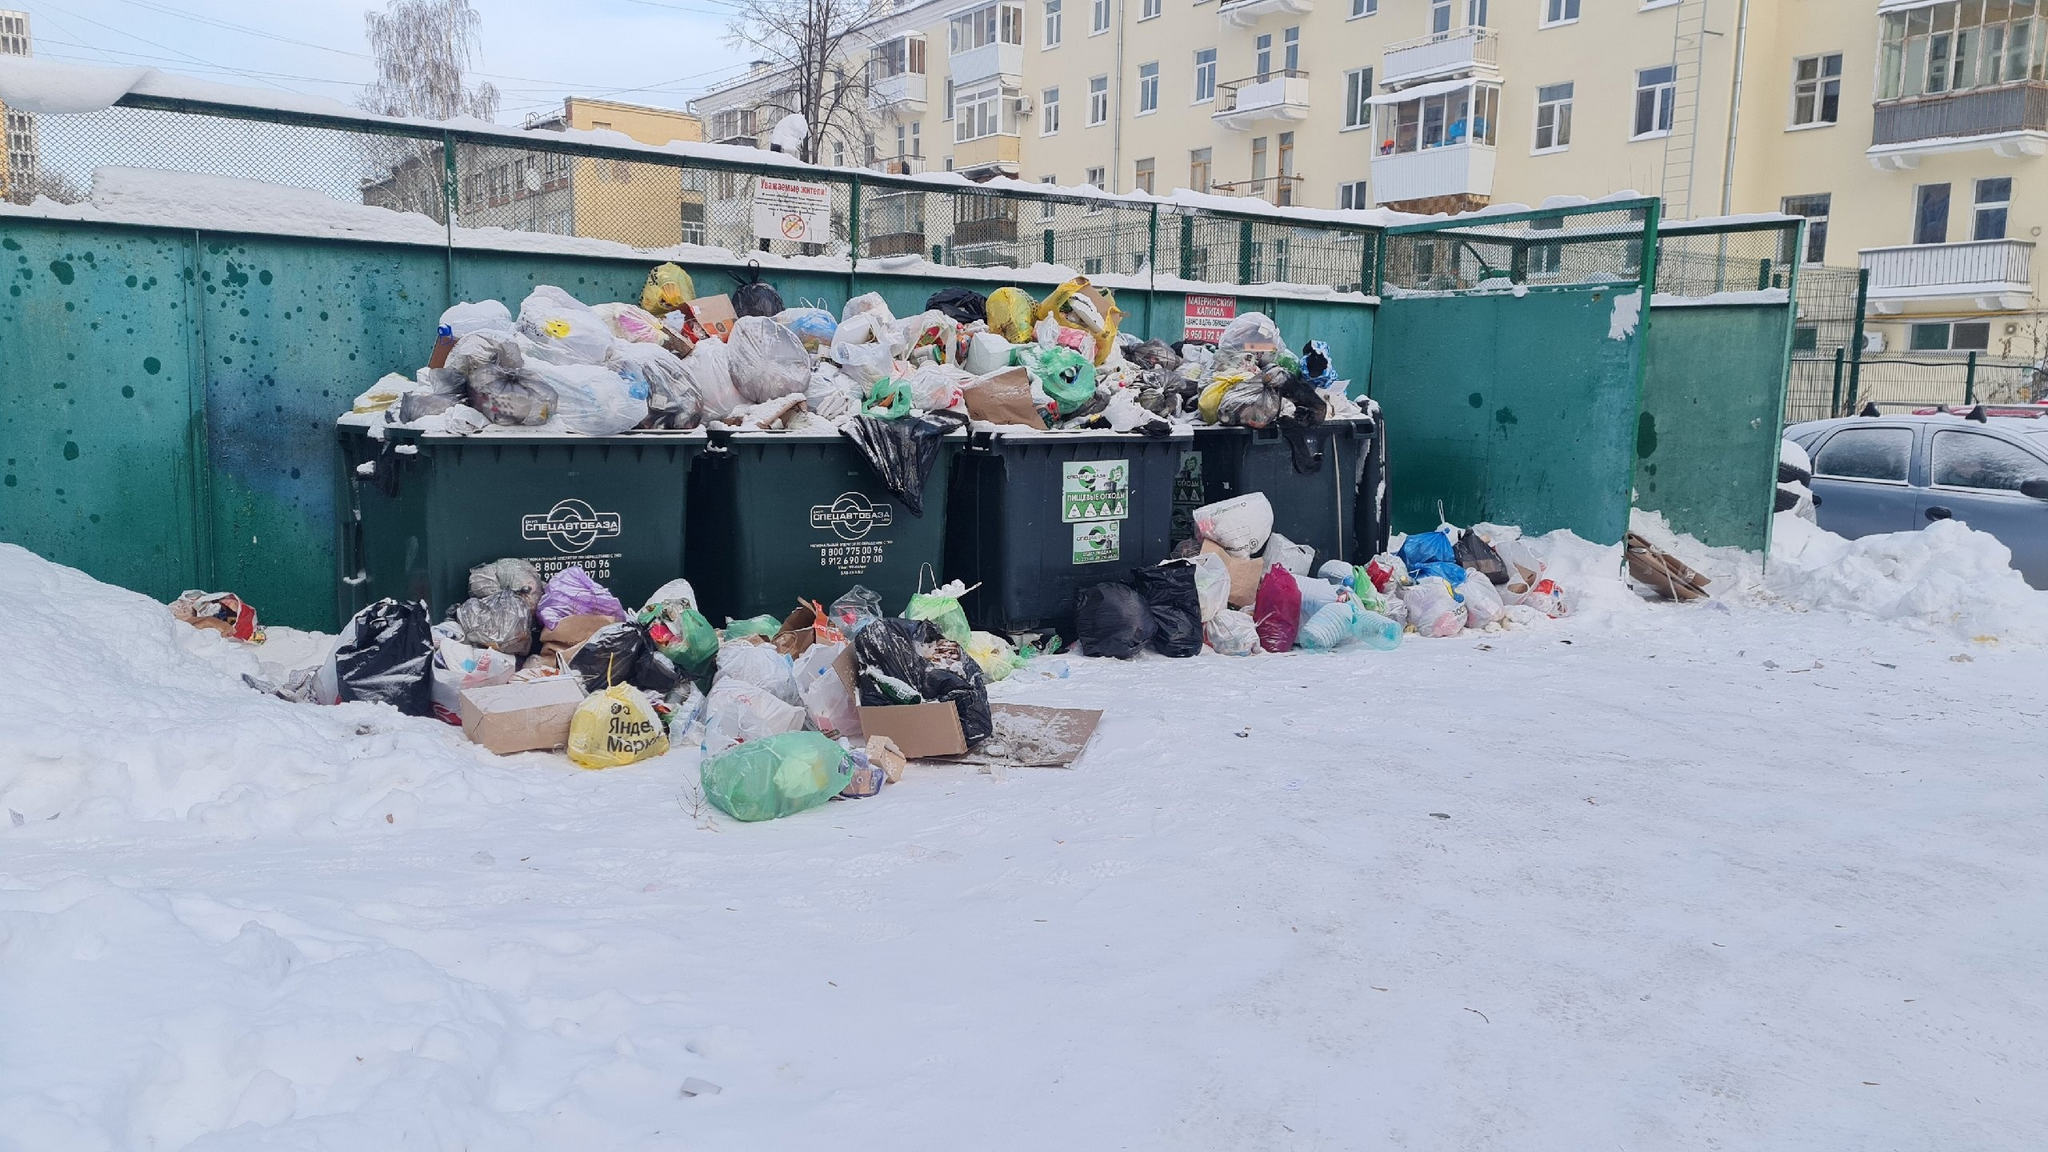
1875, 474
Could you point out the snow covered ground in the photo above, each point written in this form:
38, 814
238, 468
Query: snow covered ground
1763, 872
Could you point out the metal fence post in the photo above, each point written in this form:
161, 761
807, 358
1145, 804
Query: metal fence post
1187, 245
1048, 246
1835, 401
853, 230
1151, 264
1244, 252
1763, 274
1856, 339
449, 188
1970, 381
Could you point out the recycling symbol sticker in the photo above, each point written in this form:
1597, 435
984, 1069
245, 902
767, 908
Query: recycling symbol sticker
852, 516
571, 526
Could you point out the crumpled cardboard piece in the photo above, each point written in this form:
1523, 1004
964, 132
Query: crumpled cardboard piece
1004, 397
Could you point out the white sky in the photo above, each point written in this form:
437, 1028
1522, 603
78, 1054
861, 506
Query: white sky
659, 52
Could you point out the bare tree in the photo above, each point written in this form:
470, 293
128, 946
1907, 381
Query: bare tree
820, 49
422, 49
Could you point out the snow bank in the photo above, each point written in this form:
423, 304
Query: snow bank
113, 711
1947, 575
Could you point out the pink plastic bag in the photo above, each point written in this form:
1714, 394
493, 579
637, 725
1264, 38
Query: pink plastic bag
573, 593
1277, 610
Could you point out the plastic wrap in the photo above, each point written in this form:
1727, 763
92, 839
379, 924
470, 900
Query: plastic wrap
1240, 525
1433, 607
1232, 633
477, 316
709, 369
668, 288
614, 728
1212, 584
630, 323
501, 620
814, 327
760, 665
909, 662
855, 610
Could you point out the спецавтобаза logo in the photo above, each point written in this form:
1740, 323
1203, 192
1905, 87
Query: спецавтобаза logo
570, 526
851, 516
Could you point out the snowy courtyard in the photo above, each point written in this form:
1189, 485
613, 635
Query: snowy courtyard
1758, 872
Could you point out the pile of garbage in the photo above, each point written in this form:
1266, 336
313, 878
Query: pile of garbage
779, 707
678, 361
1240, 588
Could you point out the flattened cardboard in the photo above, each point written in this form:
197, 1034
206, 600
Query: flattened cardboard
716, 314
1245, 573
524, 716
922, 731
1004, 397
1033, 736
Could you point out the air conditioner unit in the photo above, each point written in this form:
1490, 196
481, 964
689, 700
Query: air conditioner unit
1023, 105
1873, 342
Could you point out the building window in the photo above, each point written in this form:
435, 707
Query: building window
1149, 9
1656, 89
1049, 112
1258, 159
1557, 12
1553, 117
1142, 178
1205, 75
1817, 89
1286, 182
1460, 117
1198, 169
1930, 214
1098, 179
1148, 88
901, 56
1047, 209
1815, 209
1439, 17
1052, 23
1262, 54
1357, 98
949, 98
1475, 13
1098, 100
985, 111
1806, 338
1546, 259
1958, 45
1364, 8
1290, 48
1993, 196
1099, 19
1961, 336
1351, 194
995, 24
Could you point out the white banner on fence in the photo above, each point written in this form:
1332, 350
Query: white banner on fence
792, 210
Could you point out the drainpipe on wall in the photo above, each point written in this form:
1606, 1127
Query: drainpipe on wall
1116, 107
1734, 108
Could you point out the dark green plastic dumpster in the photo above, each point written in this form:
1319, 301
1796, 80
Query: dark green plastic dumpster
1316, 502
1038, 516
433, 506
780, 516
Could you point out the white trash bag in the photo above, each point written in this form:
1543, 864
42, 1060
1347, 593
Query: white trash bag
708, 368
1239, 526
562, 329
1212, 584
831, 704
1483, 605
736, 712
477, 316
768, 360
1296, 558
1232, 633
592, 400
1433, 607
760, 665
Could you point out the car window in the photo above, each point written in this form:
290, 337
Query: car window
1866, 454
1974, 460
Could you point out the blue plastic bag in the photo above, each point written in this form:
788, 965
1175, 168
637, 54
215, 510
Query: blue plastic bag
1432, 554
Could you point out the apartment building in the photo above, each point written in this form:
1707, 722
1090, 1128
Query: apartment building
1909, 132
18, 177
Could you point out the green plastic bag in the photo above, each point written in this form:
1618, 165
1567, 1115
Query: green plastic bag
889, 399
941, 606
1064, 375
776, 776
766, 626
682, 634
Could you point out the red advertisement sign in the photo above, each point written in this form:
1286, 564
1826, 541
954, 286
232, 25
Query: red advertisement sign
1206, 317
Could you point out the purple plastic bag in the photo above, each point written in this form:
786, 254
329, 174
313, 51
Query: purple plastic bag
573, 593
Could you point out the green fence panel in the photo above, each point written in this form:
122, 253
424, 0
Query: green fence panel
293, 330
98, 434
1707, 437
1511, 409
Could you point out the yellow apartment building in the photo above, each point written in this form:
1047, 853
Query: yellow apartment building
18, 175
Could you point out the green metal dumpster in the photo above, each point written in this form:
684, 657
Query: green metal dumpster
420, 510
780, 516
1316, 502
1038, 516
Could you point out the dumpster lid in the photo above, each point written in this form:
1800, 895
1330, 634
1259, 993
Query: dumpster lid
503, 434
1005, 432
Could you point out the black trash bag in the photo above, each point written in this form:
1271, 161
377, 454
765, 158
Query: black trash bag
1477, 555
609, 656
962, 304
1114, 621
1304, 444
387, 657
420, 405
1169, 592
501, 620
756, 297
909, 662
901, 452
655, 672
1154, 354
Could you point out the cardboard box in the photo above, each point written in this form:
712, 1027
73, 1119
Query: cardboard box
525, 716
921, 731
716, 314
1004, 397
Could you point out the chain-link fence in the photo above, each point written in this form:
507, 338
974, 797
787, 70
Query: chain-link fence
1824, 344
649, 199
1955, 380
1589, 244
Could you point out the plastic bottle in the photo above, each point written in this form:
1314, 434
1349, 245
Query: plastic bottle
1329, 628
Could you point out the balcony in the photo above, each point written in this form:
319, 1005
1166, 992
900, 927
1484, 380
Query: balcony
1274, 96
1463, 169
988, 60
737, 141
988, 156
1245, 13
2011, 122
1276, 190
1459, 52
905, 90
1996, 275
899, 165
990, 230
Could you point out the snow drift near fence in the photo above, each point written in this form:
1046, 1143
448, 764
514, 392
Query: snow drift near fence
1947, 575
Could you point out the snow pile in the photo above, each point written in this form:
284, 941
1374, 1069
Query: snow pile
1947, 575
114, 711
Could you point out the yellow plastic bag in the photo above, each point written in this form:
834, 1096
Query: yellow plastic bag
1210, 405
668, 288
1080, 305
615, 727
1010, 313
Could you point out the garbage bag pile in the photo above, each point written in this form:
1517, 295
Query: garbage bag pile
1239, 588
561, 664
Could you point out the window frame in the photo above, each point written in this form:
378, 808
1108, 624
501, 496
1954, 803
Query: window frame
1979, 206
1150, 10
1355, 191
1145, 175
1568, 13
1098, 17
1664, 103
1205, 70
1049, 111
1360, 9
1561, 119
1815, 250
1148, 88
1053, 27
1818, 93
1205, 158
1357, 100
1921, 219
1098, 101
